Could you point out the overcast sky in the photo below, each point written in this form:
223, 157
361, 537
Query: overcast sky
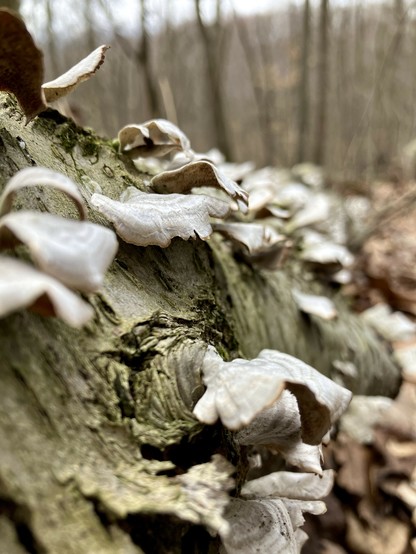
68, 14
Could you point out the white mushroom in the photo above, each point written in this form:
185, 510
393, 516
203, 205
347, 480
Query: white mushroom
279, 428
155, 219
265, 526
156, 137
238, 390
287, 484
69, 81
318, 250
34, 176
321, 306
22, 286
77, 253
255, 238
199, 174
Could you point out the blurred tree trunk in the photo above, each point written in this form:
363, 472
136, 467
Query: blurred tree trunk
304, 83
322, 84
11, 4
258, 84
96, 425
214, 80
144, 60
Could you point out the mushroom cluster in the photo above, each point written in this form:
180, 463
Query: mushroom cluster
69, 254
277, 402
170, 210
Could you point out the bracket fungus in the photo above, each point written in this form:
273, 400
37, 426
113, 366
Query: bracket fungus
288, 484
156, 137
22, 286
199, 174
21, 67
35, 176
320, 306
279, 428
75, 253
239, 390
260, 244
147, 219
269, 515
267, 525
69, 81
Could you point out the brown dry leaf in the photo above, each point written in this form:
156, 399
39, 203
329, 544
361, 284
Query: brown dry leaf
390, 536
355, 461
400, 419
69, 81
329, 547
21, 64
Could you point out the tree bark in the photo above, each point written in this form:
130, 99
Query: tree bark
96, 425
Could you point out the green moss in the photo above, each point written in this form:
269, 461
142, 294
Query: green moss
68, 136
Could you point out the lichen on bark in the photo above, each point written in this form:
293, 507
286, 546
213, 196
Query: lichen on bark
96, 425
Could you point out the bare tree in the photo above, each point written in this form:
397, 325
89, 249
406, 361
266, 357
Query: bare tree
214, 80
322, 84
304, 82
143, 58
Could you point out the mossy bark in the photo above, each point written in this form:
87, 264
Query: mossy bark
96, 424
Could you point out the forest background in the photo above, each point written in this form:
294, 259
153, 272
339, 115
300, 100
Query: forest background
277, 83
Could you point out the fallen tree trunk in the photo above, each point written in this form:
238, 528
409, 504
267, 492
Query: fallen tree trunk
96, 425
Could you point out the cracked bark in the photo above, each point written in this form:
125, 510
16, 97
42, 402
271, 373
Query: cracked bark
96, 424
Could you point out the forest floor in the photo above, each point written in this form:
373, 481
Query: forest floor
372, 508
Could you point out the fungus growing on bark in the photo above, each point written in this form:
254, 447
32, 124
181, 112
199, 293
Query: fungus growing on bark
199, 174
22, 286
21, 67
76, 252
35, 176
279, 428
267, 525
155, 137
239, 390
321, 306
269, 515
69, 81
147, 219
259, 243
